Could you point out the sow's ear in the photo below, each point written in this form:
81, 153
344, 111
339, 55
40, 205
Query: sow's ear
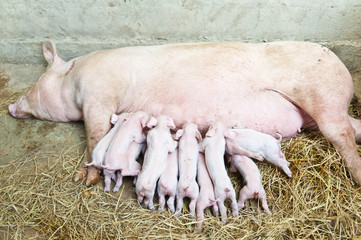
49, 52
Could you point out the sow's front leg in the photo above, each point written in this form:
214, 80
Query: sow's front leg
97, 124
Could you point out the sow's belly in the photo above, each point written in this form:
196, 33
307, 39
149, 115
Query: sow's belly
263, 110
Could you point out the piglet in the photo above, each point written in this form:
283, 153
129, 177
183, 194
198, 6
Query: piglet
131, 131
253, 180
159, 144
101, 148
124, 149
132, 156
264, 144
213, 146
206, 196
167, 184
187, 162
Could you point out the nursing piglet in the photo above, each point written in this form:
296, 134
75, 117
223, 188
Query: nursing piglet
131, 131
124, 150
187, 162
101, 148
167, 184
206, 196
213, 146
159, 144
132, 156
253, 180
239, 139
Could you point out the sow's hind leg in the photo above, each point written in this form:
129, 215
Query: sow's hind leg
328, 106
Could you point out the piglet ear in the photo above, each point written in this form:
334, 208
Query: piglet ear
152, 122
229, 133
211, 132
170, 123
198, 136
49, 51
114, 119
178, 134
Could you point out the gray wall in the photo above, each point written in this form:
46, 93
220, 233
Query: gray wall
81, 26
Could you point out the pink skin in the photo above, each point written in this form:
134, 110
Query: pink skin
101, 148
167, 184
206, 196
257, 142
159, 144
273, 88
131, 131
113, 171
252, 177
213, 146
187, 161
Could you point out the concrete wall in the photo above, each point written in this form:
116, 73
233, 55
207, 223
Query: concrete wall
81, 26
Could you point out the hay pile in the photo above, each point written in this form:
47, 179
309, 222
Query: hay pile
321, 201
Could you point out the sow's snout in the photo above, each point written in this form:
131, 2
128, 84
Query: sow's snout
12, 110
19, 109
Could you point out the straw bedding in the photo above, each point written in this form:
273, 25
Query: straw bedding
40, 200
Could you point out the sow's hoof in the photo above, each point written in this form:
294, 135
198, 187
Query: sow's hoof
93, 176
81, 174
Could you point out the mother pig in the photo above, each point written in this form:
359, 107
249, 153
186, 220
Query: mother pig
271, 87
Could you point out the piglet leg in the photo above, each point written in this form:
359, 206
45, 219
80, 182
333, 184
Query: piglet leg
170, 203
118, 182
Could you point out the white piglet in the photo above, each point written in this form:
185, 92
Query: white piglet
125, 149
159, 144
264, 144
187, 163
206, 196
101, 148
167, 184
253, 180
213, 146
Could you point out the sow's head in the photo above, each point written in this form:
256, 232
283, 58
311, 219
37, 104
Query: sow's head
43, 98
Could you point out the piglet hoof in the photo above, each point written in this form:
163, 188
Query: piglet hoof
224, 219
81, 174
198, 229
107, 189
93, 176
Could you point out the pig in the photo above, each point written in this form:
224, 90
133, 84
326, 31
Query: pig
213, 146
258, 142
113, 170
187, 163
101, 148
253, 180
277, 87
131, 132
206, 196
167, 183
159, 144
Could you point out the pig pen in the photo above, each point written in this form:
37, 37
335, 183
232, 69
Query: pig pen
40, 200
